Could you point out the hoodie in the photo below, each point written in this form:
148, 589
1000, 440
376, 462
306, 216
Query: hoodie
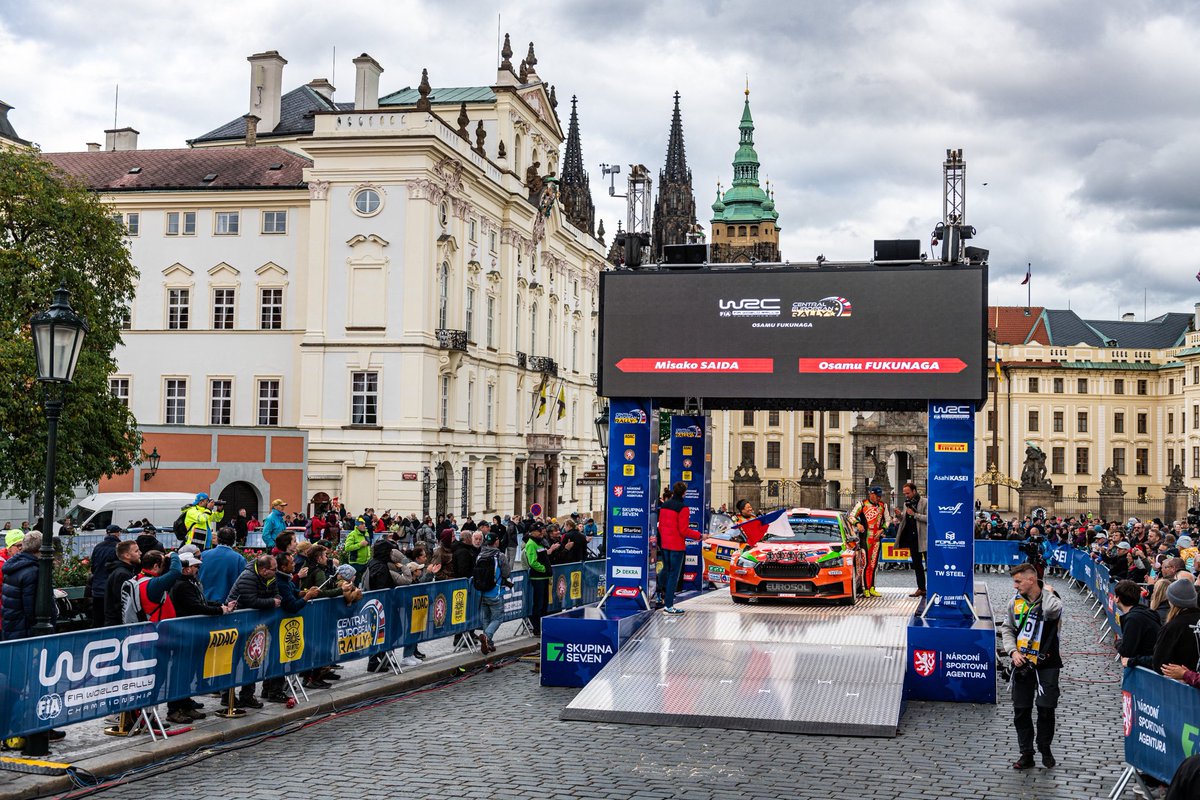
1139, 632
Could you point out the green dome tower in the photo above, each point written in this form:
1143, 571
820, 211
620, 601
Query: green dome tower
745, 224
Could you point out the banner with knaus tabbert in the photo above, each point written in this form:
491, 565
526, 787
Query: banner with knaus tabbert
951, 555
51, 681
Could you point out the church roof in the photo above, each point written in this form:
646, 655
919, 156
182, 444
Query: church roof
675, 169
185, 168
7, 131
1065, 328
296, 109
441, 97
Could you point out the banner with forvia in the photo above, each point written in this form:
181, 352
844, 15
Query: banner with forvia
632, 442
690, 465
950, 558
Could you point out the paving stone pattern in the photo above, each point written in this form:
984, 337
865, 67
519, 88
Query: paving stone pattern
498, 736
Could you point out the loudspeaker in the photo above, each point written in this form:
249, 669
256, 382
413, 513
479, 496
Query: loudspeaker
897, 250
976, 255
685, 255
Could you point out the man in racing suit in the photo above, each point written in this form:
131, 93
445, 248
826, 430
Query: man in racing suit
870, 517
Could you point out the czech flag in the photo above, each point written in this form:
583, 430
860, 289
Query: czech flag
774, 522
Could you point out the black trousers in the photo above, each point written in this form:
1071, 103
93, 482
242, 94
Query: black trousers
918, 563
1035, 689
541, 601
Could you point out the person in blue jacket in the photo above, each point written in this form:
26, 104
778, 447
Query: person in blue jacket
273, 525
20, 590
221, 567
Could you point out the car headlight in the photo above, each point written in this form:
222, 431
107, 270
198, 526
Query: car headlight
748, 563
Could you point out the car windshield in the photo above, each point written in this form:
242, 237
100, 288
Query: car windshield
809, 529
78, 514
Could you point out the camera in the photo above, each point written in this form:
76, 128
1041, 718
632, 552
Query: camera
1032, 548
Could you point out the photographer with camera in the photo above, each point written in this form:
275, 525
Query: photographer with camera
201, 519
1034, 550
1029, 631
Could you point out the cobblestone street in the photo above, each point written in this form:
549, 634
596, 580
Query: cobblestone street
498, 735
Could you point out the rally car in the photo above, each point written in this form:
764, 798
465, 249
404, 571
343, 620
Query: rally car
721, 546
815, 560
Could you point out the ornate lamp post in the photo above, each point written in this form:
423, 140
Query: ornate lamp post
57, 340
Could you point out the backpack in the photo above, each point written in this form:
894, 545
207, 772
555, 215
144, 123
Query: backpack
180, 526
483, 577
131, 601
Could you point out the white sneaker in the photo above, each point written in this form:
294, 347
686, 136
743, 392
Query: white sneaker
410, 661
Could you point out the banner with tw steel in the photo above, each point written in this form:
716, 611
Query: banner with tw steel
834, 335
691, 465
950, 557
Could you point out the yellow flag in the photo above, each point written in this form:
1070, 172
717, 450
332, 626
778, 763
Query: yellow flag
999, 377
562, 402
542, 399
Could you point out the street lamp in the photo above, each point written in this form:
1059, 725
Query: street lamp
602, 433
154, 459
57, 339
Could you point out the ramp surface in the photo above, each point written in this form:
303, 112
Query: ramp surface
761, 666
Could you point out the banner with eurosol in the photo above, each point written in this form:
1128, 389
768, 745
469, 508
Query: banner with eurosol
58, 680
632, 443
949, 561
690, 465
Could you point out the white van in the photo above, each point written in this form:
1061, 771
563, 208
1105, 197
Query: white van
97, 511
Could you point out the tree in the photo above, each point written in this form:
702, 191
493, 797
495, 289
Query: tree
54, 231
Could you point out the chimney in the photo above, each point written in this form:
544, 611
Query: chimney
120, 139
251, 129
93, 147
1128, 316
323, 87
1196, 320
366, 83
266, 87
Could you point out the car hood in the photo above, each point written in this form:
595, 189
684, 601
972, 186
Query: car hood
789, 551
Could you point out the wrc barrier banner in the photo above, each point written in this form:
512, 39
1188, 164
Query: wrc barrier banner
51, 681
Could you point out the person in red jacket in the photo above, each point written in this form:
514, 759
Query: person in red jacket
673, 533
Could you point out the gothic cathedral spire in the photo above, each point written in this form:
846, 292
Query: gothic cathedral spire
574, 186
675, 207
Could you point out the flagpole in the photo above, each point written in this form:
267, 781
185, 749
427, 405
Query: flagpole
1029, 285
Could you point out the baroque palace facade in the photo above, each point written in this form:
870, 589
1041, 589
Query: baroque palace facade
398, 278
1091, 394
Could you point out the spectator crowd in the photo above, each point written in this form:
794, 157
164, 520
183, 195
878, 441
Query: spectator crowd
202, 566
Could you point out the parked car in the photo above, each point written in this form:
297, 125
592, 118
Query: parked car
97, 511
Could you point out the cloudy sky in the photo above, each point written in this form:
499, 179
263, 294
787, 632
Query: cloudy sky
1078, 120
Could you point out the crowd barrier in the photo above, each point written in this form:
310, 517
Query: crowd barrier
59, 680
1160, 716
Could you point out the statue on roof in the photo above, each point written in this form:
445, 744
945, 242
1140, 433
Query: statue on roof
533, 181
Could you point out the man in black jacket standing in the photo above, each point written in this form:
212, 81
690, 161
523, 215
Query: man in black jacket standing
104, 557
1139, 626
255, 588
128, 563
187, 595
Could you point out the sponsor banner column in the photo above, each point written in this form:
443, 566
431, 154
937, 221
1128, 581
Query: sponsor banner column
949, 562
690, 464
631, 429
